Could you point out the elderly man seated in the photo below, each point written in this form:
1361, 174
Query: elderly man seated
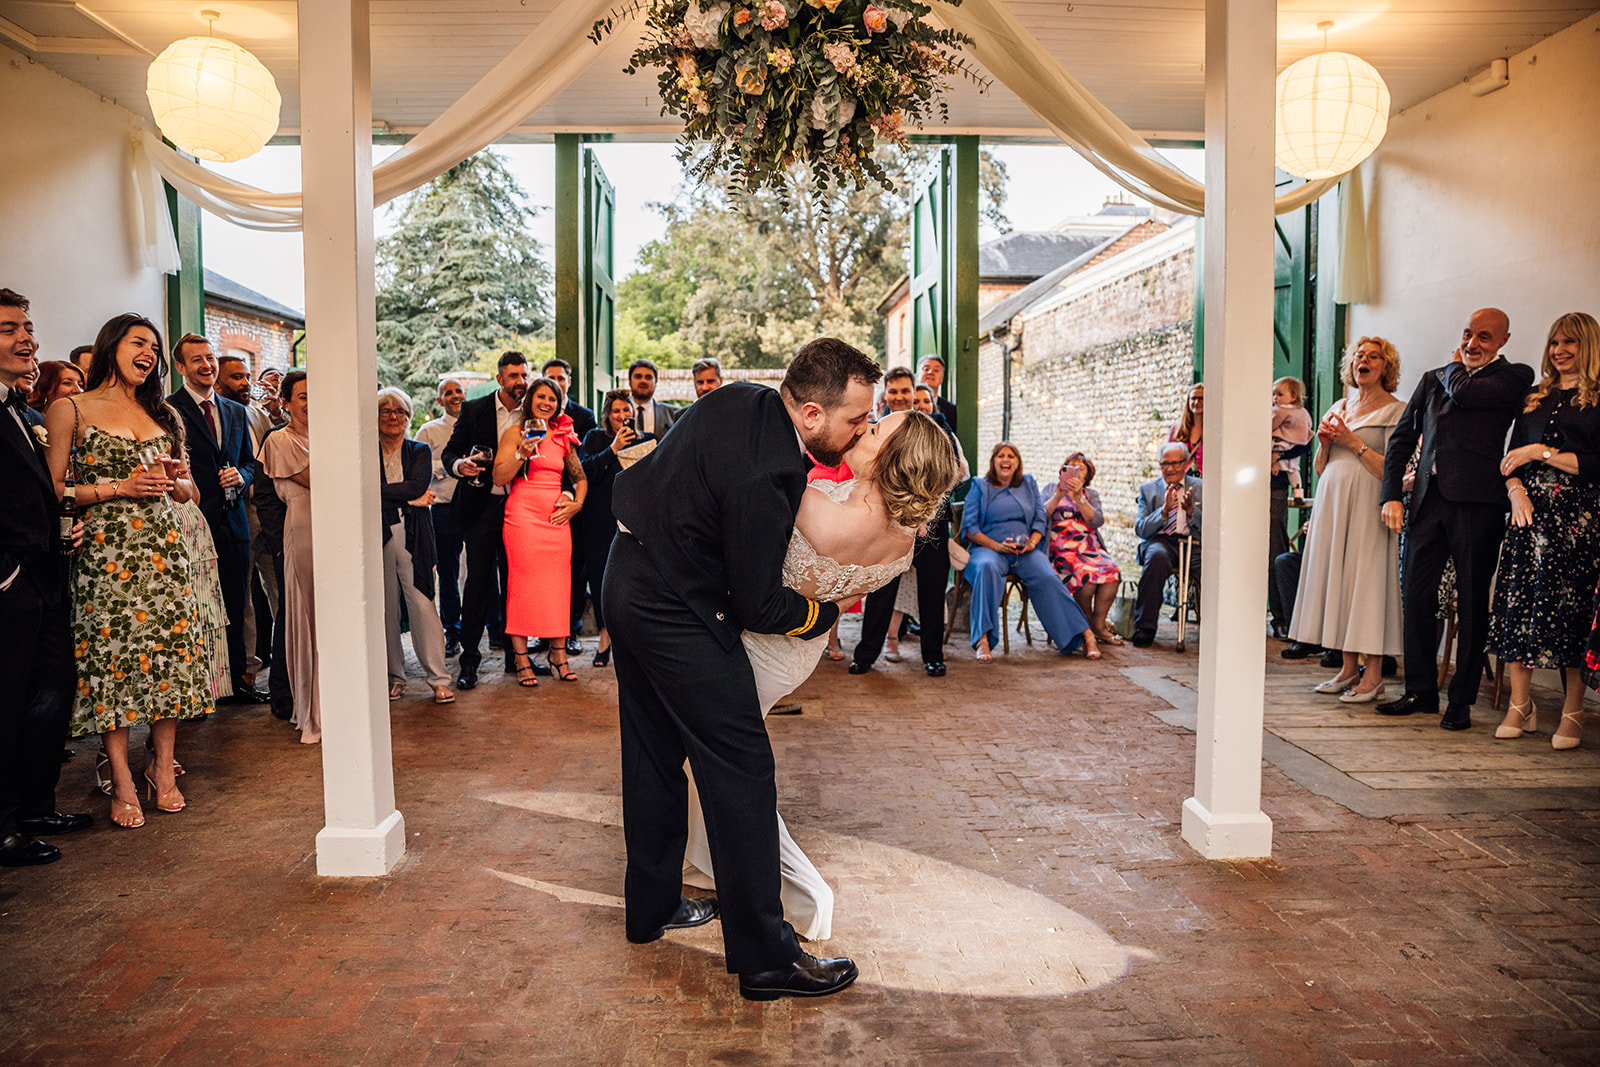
1169, 508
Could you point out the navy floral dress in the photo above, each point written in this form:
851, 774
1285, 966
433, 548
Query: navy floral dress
1544, 598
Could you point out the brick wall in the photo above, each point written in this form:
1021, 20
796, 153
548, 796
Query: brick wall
1105, 373
266, 341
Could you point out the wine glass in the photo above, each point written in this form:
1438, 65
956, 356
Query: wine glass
483, 456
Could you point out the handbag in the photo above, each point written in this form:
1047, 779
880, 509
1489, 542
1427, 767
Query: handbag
1120, 617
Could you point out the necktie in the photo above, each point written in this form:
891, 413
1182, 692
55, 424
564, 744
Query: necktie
211, 423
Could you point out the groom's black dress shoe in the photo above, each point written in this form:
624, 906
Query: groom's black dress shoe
1332, 658
469, 676
694, 911
805, 977
859, 668
1409, 704
934, 669
20, 850
1457, 717
53, 823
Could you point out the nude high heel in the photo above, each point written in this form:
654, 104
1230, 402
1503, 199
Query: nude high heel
1561, 743
1527, 717
170, 801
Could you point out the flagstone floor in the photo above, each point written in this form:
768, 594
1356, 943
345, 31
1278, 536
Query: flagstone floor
1005, 851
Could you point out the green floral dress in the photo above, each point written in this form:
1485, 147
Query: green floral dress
138, 635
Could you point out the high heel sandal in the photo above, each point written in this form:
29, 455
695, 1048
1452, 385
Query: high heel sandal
602, 657
525, 673
1560, 742
1527, 716
563, 670
164, 801
126, 815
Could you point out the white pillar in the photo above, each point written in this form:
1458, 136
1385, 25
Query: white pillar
364, 834
1223, 820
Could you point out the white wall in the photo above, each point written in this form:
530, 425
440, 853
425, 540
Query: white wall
65, 197
1489, 201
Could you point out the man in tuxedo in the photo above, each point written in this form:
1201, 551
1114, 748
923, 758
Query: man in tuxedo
1169, 508
930, 369
35, 615
560, 372
658, 417
218, 439
446, 534
705, 524
707, 375
1461, 414
930, 563
480, 510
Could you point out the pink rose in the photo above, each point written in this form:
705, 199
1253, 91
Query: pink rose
773, 16
876, 19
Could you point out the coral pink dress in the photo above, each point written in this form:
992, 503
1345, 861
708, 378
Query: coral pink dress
539, 554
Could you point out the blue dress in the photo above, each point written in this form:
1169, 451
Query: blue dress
1016, 511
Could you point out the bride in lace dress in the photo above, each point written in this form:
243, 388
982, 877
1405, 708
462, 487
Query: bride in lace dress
850, 538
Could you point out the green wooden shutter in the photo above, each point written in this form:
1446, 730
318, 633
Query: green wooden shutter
930, 266
599, 281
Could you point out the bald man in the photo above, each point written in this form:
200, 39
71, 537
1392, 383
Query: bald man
1460, 413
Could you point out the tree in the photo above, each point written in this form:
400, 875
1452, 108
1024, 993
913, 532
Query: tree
748, 279
460, 272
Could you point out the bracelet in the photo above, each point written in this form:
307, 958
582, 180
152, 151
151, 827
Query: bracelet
1517, 489
1365, 448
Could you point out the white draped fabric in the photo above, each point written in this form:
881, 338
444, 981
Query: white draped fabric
1022, 64
557, 52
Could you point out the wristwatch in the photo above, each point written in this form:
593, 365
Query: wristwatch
1546, 457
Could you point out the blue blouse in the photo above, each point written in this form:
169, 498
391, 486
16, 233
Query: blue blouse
1002, 512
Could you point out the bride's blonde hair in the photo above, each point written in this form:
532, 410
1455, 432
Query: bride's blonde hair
915, 468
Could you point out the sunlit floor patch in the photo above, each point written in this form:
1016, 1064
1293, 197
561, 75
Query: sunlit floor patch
909, 921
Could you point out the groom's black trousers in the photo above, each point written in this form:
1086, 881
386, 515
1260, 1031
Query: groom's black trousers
680, 695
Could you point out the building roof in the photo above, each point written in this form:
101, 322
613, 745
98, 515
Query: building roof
1001, 313
1029, 255
220, 290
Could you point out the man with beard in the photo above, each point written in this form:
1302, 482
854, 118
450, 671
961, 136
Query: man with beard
705, 522
480, 508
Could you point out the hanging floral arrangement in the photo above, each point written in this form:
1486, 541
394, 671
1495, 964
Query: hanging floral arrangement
769, 84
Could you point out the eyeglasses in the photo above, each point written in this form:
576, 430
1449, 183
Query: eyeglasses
1174, 463
392, 413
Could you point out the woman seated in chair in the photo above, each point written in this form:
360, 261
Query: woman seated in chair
1005, 524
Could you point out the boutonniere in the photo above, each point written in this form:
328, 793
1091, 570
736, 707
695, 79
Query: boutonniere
42, 434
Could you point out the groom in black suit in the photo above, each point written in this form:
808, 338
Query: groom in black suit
1461, 413
218, 439
35, 616
706, 520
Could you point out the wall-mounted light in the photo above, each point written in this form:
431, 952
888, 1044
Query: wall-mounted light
212, 98
1333, 110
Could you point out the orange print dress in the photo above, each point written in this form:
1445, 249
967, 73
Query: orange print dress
138, 640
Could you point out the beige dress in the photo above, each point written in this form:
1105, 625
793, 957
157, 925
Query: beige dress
284, 455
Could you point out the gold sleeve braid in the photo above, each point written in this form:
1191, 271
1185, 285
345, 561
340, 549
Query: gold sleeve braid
811, 619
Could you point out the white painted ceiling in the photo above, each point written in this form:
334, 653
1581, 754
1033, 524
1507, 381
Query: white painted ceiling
1143, 58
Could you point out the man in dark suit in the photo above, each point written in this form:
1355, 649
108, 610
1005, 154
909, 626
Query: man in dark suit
658, 417
560, 372
930, 563
480, 510
1461, 414
930, 369
35, 615
217, 435
706, 520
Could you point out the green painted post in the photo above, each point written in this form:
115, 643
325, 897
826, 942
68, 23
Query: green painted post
963, 346
569, 257
186, 290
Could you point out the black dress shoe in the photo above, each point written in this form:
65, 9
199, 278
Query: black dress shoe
574, 646
934, 669
1332, 659
469, 676
53, 823
912, 628
1390, 667
68, 753
859, 668
245, 694
452, 646
1409, 704
1143, 638
1457, 717
692, 911
541, 644
1300, 650
805, 977
20, 850
283, 711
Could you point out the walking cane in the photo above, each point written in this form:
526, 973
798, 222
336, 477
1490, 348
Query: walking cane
1185, 547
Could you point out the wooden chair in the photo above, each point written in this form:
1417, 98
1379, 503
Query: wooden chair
963, 590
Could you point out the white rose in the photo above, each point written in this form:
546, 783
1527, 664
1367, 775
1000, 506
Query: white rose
899, 16
819, 111
703, 24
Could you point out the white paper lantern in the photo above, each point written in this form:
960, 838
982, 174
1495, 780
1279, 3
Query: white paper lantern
213, 99
1333, 110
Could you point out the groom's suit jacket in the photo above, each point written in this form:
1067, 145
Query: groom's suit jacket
714, 508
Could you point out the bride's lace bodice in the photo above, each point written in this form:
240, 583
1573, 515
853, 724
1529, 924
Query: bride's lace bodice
824, 578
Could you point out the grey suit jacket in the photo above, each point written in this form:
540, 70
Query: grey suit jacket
1152, 495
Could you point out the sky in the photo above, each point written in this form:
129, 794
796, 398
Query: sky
1046, 184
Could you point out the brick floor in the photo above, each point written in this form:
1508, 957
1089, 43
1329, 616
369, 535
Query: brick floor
1010, 824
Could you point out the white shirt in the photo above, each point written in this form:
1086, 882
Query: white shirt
436, 435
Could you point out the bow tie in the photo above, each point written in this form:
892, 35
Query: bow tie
15, 400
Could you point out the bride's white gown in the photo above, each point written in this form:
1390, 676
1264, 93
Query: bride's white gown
781, 665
